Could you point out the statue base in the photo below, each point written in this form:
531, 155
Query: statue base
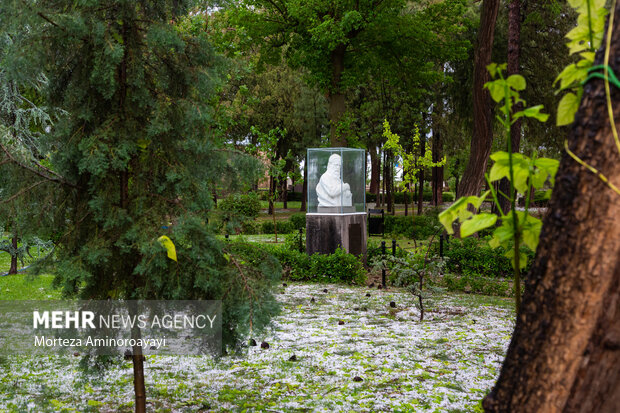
325, 232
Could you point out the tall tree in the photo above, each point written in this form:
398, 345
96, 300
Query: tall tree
482, 137
514, 52
137, 151
564, 355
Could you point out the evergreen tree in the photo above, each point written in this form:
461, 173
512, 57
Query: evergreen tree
136, 153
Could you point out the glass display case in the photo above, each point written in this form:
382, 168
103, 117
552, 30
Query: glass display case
336, 180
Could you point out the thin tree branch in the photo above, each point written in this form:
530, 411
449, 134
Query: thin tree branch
20, 193
58, 178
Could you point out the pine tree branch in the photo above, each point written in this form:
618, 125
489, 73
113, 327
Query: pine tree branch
23, 191
55, 178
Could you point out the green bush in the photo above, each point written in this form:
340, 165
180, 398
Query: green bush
298, 220
250, 228
292, 241
421, 227
244, 206
448, 197
295, 264
284, 227
474, 257
339, 267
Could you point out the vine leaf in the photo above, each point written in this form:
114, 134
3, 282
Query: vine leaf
567, 108
477, 223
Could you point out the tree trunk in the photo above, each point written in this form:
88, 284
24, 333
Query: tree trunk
375, 170
514, 51
387, 179
13, 268
564, 355
437, 149
482, 136
284, 192
272, 188
336, 96
421, 177
406, 193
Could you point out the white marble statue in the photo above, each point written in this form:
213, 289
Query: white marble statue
331, 191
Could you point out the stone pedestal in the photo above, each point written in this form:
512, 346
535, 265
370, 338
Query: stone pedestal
326, 232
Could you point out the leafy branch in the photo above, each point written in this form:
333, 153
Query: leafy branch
517, 228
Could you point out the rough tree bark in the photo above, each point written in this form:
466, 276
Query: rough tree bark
514, 52
13, 268
565, 351
482, 136
375, 174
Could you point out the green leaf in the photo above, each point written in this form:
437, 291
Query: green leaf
567, 108
502, 234
500, 168
477, 222
458, 210
517, 82
531, 232
522, 258
572, 75
547, 164
492, 68
534, 112
496, 88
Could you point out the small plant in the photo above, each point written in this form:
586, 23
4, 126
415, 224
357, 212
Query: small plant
412, 271
517, 227
412, 162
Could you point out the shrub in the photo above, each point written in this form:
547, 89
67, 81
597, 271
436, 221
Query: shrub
337, 267
448, 197
244, 206
295, 264
421, 227
292, 241
474, 257
284, 227
250, 228
298, 220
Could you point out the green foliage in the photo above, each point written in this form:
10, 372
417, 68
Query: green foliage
137, 151
412, 162
298, 220
284, 227
246, 206
339, 267
422, 227
296, 239
406, 268
583, 40
478, 285
475, 257
522, 172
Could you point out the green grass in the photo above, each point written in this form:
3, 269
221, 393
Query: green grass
294, 205
26, 287
5, 262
